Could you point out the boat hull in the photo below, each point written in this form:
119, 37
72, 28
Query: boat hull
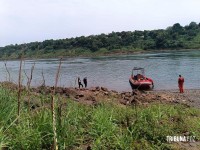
141, 85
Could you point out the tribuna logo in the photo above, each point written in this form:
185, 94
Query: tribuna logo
181, 139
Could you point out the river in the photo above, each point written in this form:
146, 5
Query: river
113, 72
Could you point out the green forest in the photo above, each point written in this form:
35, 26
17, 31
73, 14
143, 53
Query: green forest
172, 38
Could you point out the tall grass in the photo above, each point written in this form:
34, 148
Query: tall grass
105, 126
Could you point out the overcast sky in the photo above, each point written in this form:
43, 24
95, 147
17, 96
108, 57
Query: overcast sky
23, 21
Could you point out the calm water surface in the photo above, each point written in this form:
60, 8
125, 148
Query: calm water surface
114, 72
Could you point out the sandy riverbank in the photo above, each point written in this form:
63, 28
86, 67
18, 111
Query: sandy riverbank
191, 97
94, 95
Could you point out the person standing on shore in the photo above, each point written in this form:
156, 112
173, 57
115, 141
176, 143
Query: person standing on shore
79, 83
85, 81
180, 83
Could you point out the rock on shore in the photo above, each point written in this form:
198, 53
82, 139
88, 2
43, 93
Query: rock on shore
94, 95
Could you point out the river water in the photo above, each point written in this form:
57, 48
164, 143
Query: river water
113, 72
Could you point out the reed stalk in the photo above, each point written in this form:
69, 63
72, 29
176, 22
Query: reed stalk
19, 86
5, 63
43, 79
29, 79
53, 106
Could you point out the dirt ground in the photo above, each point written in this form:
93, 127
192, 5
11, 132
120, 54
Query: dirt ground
92, 96
190, 97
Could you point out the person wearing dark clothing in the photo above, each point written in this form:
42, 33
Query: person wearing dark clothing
79, 83
180, 83
135, 77
85, 81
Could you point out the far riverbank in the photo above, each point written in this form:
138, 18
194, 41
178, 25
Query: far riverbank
95, 54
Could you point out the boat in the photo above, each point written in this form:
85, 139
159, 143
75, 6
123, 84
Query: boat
139, 80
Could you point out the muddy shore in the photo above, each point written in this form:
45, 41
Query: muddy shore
94, 95
191, 97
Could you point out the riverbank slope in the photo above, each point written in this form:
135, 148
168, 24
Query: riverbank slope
96, 118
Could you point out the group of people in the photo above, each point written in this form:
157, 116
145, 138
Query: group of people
180, 82
84, 82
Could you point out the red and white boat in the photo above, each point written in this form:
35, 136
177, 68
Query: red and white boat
139, 80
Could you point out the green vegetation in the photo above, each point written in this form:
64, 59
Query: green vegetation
175, 37
107, 125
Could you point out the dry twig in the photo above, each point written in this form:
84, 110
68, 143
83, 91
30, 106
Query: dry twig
5, 63
19, 86
29, 79
53, 108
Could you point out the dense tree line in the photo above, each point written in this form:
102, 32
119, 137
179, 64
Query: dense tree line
174, 37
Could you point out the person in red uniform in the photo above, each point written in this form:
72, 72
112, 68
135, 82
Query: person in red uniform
180, 83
